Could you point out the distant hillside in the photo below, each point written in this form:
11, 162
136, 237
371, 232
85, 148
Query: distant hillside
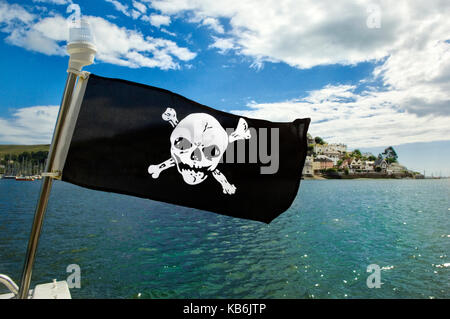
18, 149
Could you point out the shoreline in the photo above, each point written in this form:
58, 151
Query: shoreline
320, 178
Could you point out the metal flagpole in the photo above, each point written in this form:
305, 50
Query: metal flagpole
82, 51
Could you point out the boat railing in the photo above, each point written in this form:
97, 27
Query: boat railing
10, 284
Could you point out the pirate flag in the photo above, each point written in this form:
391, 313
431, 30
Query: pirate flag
144, 141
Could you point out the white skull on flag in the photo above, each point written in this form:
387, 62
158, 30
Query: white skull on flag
198, 142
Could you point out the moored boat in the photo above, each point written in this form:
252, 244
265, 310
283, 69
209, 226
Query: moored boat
24, 178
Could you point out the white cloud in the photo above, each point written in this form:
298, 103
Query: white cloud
116, 45
12, 16
58, 2
140, 6
29, 125
410, 95
43, 36
306, 33
421, 75
213, 24
48, 27
34, 41
168, 32
137, 10
120, 7
135, 14
130, 48
406, 100
157, 20
223, 44
369, 118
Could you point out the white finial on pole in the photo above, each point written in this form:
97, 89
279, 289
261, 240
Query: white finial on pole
80, 47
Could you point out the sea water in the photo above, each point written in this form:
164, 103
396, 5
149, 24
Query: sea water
321, 247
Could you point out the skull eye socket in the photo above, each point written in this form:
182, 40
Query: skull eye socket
182, 143
211, 151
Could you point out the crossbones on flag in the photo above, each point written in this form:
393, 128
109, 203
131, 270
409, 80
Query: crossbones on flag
144, 141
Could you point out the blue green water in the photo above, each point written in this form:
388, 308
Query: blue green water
319, 248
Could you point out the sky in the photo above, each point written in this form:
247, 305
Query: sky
369, 74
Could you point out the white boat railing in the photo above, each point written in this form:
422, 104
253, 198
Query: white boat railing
10, 284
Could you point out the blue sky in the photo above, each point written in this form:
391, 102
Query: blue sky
369, 74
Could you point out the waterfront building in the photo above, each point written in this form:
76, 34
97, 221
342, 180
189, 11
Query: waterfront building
332, 157
320, 164
368, 166
308, 167
330, 149
345, 163
381, 164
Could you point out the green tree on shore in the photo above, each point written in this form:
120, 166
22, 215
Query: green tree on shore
32, 157
390, 155
356, 153
319, 140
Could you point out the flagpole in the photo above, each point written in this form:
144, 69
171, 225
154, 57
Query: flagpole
82, 51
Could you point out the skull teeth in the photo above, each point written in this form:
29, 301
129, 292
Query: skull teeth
192, 172
193, 168
195, 165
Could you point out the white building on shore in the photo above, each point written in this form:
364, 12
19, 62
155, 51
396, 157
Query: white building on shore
334, 157
327, 149
308, 168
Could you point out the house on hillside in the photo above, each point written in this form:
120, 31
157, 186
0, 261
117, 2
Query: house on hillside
345, 163
330, 148
334, 158
381, 165
368, 166
320, 164
355, 165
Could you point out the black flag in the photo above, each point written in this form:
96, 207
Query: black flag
144, 141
